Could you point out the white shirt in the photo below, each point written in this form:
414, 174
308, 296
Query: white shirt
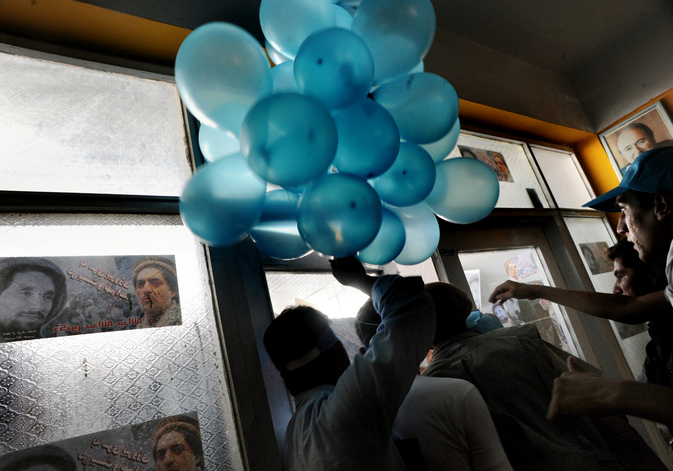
453, 426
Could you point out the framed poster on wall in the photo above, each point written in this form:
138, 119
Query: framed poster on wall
648, 129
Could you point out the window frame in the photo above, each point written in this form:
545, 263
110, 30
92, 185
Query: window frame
233, 288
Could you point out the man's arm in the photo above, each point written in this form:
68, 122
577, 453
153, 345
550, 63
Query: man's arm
581, 393
368, 395
620, 308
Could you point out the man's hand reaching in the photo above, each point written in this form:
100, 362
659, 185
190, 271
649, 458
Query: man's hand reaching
349, 272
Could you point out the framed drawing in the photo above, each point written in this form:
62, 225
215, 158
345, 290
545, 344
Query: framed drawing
512, 163
646, 130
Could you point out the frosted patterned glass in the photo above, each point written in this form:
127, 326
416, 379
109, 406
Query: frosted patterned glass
513, 194
65, 128
57, 388
632, 339
563, 177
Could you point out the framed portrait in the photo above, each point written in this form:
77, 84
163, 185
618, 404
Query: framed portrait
596, 256
646, 130
493, 159
512, 163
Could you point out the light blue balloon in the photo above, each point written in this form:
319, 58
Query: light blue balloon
289, 139
335, 67
276, 233
221, 68
275, 56
368, 139
466, 190
216, 144
222, 201
283, 78
409, 180
422, 230
398, 34
339, 215
420, 67
424, 105
343, 17
439, 150
287, 23
388, 243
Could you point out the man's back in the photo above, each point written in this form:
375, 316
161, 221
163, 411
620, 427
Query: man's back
514, 371
452, 424
349, 425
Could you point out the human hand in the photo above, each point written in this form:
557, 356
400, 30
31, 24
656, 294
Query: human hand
511, 289
349, 272
579, 392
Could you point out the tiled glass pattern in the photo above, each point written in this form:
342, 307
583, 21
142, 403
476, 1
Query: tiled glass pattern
512, 195
58, 388
587, 230
65, 128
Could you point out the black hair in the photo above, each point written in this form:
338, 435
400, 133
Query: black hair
452, 306
46, 454
295, 332
625, 250
366, 322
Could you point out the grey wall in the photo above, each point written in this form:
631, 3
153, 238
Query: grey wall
627, 75
486, 76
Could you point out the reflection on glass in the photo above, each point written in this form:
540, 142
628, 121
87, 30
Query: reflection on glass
486, 270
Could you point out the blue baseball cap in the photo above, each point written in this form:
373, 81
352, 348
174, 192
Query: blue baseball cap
651, 172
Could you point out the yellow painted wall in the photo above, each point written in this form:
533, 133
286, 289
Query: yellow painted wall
88, 27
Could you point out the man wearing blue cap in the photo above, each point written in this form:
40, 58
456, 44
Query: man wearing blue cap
645, 199
345, 413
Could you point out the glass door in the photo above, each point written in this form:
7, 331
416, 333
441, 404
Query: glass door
479, 257
488, 269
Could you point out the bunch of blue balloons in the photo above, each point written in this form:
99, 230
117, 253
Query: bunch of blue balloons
346, 126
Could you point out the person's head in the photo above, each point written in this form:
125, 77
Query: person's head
645, 199
304, 348
633, 276
499, 161
32, 293
452, 306
511, 270
156, 283
39, 458
635, 139
176, 444
366, 322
